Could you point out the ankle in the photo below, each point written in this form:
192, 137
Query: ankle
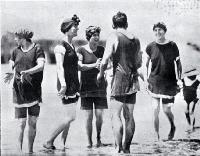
50, 143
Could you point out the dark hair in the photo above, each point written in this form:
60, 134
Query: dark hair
68, 23
25, 34
160, 25
120, 20
193, 77
92, 30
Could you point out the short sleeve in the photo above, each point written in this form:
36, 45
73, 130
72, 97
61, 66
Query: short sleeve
176, 52
137, 41
59, 49
148, 50
139, 54
13, 55
79, 54
40, 53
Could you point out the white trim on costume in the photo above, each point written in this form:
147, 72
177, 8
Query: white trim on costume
177, 58
41, 59
72, 96
160, 95
26, 104
176, 70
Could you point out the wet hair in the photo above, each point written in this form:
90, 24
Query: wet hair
91, 30
24, 34
120, 20
160, 25
68, 23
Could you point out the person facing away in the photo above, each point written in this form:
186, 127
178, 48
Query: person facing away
67, 83
91, 93
27, 65
123, 48
163, 73
191, 81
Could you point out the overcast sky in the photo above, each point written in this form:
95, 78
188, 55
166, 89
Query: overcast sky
44, 17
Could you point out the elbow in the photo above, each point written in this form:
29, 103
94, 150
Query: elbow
41, 67
80, 68
59, 68
104, 63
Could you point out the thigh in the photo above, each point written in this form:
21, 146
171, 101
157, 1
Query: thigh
34, 110
115, 106
128, 110
69, 110
87, 103
99, 112
32, 120
20, 112
100, 103
130, 99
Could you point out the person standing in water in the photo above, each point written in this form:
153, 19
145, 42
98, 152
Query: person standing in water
165, 72
123, 48
91, 93
27, 61
68, 83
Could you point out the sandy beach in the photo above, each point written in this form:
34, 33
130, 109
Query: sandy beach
143, 142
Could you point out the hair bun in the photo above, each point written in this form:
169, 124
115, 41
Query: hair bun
76, 19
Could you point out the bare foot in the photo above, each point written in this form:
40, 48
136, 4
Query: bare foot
49, 146
89, 145
99, 143
157, 136
126, 150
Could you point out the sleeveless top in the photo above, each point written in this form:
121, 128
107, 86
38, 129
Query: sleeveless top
125, 77
89, 87
70, 65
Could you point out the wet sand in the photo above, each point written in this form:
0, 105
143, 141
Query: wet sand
143, 142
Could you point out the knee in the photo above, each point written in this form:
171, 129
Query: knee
157, 111
99, 118
166, 110
32, 123
70, 119
23, 124
89, 117
128, 116
73, 118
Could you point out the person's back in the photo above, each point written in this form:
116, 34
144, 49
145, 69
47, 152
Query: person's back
125, 65
124, 51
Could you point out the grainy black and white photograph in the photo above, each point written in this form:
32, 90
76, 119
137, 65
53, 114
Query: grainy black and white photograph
97, 77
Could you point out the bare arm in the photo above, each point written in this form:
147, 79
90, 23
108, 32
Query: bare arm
85, 67
147, 68
111, 45
60, 69
59, 54
39, 67
179, 68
